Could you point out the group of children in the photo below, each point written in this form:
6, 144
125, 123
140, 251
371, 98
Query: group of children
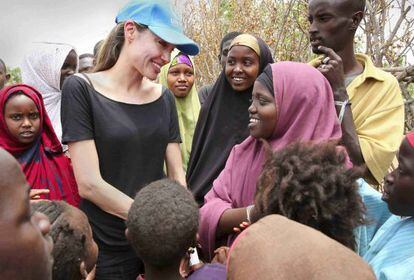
266, 140
306, 183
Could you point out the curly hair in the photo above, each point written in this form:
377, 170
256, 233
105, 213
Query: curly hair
162, 223
310, 184
69, 244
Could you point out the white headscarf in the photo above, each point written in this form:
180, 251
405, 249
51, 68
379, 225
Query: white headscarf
41, 69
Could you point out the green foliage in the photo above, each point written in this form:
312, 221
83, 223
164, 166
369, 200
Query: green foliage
15, 75
410, 89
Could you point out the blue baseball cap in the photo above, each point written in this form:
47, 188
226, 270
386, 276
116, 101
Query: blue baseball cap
161, 20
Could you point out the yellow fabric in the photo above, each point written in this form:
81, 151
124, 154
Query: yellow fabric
246, 40
188, 109
378, 112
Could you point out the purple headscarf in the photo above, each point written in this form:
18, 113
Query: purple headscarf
306, 112
181, 58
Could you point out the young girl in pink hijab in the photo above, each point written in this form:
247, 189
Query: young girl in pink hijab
290, 102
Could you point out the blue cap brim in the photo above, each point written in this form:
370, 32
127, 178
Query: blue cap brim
178, 39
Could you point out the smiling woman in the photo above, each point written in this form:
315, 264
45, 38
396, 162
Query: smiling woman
121, 127
242, 67
263, 110
224, 117
291, 102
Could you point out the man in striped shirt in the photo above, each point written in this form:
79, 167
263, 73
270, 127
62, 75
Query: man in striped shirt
391, 251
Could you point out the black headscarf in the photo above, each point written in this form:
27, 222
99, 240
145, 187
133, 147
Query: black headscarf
222, 123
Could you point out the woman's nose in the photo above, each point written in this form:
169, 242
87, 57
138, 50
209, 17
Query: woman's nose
252, 108
166, 56
237, 69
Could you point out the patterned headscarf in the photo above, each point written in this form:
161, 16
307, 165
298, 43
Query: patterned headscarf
41, 70
181, 59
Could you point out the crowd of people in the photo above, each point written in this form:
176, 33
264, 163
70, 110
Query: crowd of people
117, 165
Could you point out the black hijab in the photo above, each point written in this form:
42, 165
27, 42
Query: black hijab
222, 123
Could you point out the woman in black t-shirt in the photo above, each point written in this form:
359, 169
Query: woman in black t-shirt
120, 126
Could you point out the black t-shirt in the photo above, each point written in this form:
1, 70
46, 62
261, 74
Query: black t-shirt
130, 140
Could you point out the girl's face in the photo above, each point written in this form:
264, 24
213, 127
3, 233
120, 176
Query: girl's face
22, 118
180, 79
399, 184
242, 67
69, 66
262, 112
146, 51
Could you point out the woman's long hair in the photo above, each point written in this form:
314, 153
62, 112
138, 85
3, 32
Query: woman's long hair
110, 50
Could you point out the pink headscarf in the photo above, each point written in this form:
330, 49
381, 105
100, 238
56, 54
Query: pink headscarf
306, 112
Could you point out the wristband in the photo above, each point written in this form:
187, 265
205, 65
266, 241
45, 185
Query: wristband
343, 105
248, 210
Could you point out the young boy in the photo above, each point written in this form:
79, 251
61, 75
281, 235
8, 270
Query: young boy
4, 76
74, 251
162, 225
391, 251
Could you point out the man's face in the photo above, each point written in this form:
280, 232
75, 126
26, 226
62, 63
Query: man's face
4, 77
224, 53
25, 247
398, 186
330, 25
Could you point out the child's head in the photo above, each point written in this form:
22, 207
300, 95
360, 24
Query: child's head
86, 63
24, 122
310, 184
74, 252
22, 117
285, 249
399, 184
162, 223
25, 247
4, 76
69, 66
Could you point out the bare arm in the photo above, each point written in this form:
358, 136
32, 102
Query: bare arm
230, 219
349, 135
174, 163
90, 183
334, 72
